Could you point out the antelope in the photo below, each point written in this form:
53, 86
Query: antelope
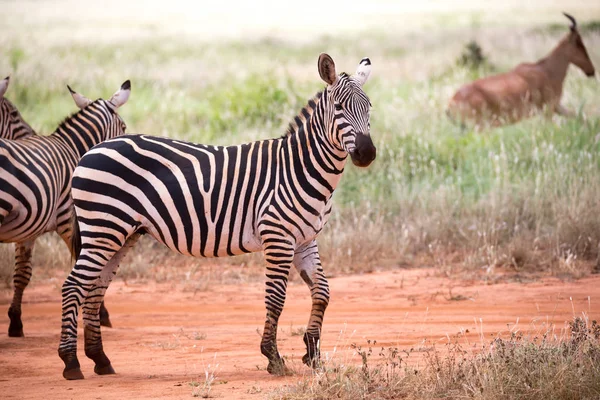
509, 97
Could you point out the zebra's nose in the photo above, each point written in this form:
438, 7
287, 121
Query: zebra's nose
364, 152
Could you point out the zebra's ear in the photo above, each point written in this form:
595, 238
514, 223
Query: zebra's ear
122, 95
327, 69
363, 71
4, 86
80, 100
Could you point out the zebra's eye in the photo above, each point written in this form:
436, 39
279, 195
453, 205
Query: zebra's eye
338, 106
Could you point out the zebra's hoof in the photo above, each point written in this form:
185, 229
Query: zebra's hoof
73, 374
105, 370
15, 327
279, 369
15, 332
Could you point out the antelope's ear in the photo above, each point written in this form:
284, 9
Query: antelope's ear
122, 95
363, 71
80, 100
327, 69
4, 86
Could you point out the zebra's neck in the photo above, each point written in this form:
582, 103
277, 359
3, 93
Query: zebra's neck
84, 129
12, 125
308, 141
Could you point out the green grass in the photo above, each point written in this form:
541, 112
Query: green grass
433, 188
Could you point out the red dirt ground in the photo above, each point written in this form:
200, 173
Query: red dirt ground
165, 338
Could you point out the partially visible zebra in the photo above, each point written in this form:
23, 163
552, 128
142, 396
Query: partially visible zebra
12, 125
209, 201
35, 183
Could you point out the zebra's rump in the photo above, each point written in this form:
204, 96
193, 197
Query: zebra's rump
29, 190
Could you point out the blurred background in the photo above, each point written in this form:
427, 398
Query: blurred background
522, 198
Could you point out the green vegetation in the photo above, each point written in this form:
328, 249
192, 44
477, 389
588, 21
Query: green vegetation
523, 196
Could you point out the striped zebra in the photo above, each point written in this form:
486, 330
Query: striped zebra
35, 183
273, 196
12, 125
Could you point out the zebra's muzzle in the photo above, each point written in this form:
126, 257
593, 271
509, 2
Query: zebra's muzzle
364, 152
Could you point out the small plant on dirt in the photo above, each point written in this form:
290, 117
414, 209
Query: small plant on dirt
202, 387
195, 335
6, 264
300, 331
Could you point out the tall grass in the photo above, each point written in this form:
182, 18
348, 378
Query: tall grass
523, 196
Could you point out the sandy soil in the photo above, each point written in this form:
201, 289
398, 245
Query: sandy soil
165, 338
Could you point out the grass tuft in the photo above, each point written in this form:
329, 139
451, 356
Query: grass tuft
543, 366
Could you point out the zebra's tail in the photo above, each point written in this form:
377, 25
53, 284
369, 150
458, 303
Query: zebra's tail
75, 246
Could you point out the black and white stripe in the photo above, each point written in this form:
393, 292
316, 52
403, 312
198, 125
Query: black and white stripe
209, 201
35, 183
12, 125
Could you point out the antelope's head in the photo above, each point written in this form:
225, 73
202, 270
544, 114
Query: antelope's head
577, 53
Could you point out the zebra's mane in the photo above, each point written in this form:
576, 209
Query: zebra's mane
68, 118
302, 116
306, 111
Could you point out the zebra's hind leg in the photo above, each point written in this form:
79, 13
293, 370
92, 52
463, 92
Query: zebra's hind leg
308, 264
92, 309
65, 230
95, 254
279, 258
21, 278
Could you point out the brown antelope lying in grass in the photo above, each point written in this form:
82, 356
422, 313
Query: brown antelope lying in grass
511, 96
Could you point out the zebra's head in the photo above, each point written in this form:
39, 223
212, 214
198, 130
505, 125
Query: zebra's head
116, 126
12, 125
348, 108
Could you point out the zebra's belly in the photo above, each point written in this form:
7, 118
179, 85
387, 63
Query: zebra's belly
209, 245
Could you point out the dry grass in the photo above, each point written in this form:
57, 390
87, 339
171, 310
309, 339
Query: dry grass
6, 265
522, 197
549, 365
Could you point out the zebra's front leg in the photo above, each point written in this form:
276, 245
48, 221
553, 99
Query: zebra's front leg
21, 278
308, 264
279, 258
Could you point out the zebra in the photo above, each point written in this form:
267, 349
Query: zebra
12, 125
35, 184
273, 196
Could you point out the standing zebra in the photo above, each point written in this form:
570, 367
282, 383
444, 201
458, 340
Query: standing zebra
211, 201
35, 183
12, 125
